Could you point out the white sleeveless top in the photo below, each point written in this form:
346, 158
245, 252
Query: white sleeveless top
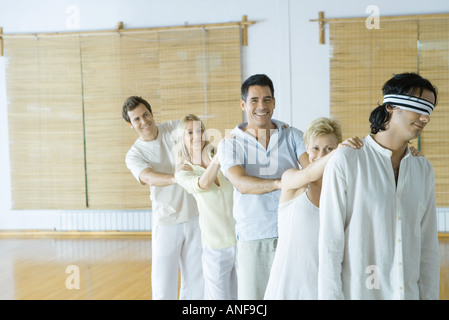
294, 273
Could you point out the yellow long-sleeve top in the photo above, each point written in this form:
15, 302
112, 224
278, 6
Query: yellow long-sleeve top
215, 204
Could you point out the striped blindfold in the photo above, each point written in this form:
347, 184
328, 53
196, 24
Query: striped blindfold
410, 103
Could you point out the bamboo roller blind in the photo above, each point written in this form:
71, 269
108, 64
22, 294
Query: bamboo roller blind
45, 123
362, 60
434, 65
68, 140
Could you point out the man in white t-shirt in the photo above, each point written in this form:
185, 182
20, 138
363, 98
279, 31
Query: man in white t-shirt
176, 237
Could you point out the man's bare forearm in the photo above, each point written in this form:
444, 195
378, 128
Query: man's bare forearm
247, 184
254, 185
156, 179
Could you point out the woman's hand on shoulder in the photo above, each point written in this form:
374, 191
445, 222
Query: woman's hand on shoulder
415, 152
353, 142
186, 167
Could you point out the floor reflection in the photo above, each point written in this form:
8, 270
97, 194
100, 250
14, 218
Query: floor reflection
114, 267
109, 268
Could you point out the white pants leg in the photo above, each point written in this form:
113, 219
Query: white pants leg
220, 276
192, 280
174, 246
254, 260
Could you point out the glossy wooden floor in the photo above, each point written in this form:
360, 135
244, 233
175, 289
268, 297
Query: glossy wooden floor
110, 267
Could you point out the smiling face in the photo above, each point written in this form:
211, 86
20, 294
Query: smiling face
321, 146
142, 121
408, 124
193, 141
258, 107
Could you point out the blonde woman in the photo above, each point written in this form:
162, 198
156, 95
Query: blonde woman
198, 172
294, 273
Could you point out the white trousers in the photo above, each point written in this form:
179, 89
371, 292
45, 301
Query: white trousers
254, 260
220, 275
173, 247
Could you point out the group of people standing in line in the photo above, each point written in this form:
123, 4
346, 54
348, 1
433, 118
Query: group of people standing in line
274, 213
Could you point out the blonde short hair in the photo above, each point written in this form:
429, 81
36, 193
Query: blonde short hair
322, 126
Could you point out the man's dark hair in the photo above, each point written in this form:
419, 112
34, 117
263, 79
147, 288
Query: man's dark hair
256, 80
131, 103
403, 84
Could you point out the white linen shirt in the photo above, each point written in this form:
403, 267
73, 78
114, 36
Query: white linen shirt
377, 240
256, 215
170, 204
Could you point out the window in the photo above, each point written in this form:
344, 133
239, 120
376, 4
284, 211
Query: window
363, 59
65, 92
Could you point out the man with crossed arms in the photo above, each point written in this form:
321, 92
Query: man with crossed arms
253, 161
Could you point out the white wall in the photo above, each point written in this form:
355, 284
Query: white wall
283, 44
